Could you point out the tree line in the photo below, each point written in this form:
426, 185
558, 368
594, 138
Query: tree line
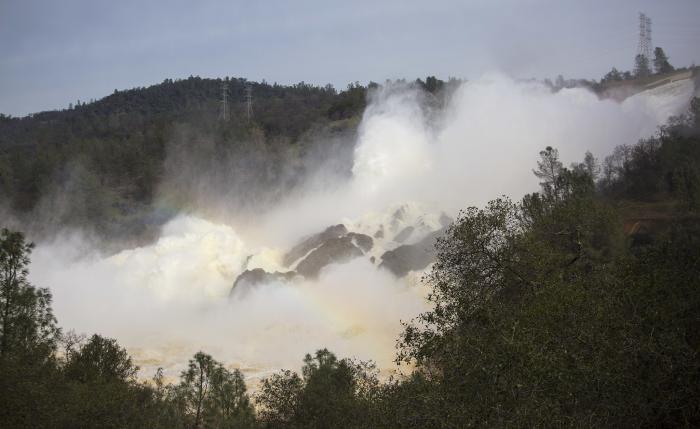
100, 165
548, 311
643, 67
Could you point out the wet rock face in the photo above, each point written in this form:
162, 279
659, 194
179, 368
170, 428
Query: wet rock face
336, 245
334, 250
333, 245
311, 243
380, 233
364, 242
404, 234
248, 279
411, 257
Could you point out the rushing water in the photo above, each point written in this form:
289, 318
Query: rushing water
169, 299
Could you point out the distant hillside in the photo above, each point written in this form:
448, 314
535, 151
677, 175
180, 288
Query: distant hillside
278, 109
623, 88
100, 164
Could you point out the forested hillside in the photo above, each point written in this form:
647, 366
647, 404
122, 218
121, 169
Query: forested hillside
104, 160
99, 165
549, 311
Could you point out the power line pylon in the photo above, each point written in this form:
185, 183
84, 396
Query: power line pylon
644, 47
649, 47
223, 110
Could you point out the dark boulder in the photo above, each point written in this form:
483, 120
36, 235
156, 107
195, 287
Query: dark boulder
334, 250
364, 242
312, 242
411, 257
248, 279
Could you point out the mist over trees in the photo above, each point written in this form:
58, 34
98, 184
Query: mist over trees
27, 326
661, 64
122, 165
575, 306
643, 68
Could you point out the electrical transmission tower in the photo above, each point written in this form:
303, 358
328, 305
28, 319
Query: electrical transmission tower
223, 111
249, 101
645, 46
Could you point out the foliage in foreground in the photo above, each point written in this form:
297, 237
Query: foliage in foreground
92, 382
545, 317
545, 314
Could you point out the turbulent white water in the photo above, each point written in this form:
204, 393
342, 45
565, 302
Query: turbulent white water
167, 300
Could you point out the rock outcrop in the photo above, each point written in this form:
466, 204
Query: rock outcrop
312, 242
364, 242
334, 250
334, 245
248, 279
411, 257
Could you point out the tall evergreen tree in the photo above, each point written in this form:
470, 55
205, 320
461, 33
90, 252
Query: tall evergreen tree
213, 396
661, 64
27, 325
641, 66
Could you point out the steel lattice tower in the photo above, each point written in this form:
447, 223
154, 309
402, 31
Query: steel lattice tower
645, 46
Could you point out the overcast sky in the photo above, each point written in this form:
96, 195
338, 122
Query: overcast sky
55, 52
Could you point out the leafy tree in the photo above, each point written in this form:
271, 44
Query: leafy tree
91, 385
665, 166
228, 405
330, 393
278, 399
101, 390
612, 76
542, 318
328, 397
349, 102
591, 166
100, 359
196, 384
433, 84
27, 325
212, 396
548, 169
661, 64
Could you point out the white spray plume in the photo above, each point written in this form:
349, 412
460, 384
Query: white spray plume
167, 300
